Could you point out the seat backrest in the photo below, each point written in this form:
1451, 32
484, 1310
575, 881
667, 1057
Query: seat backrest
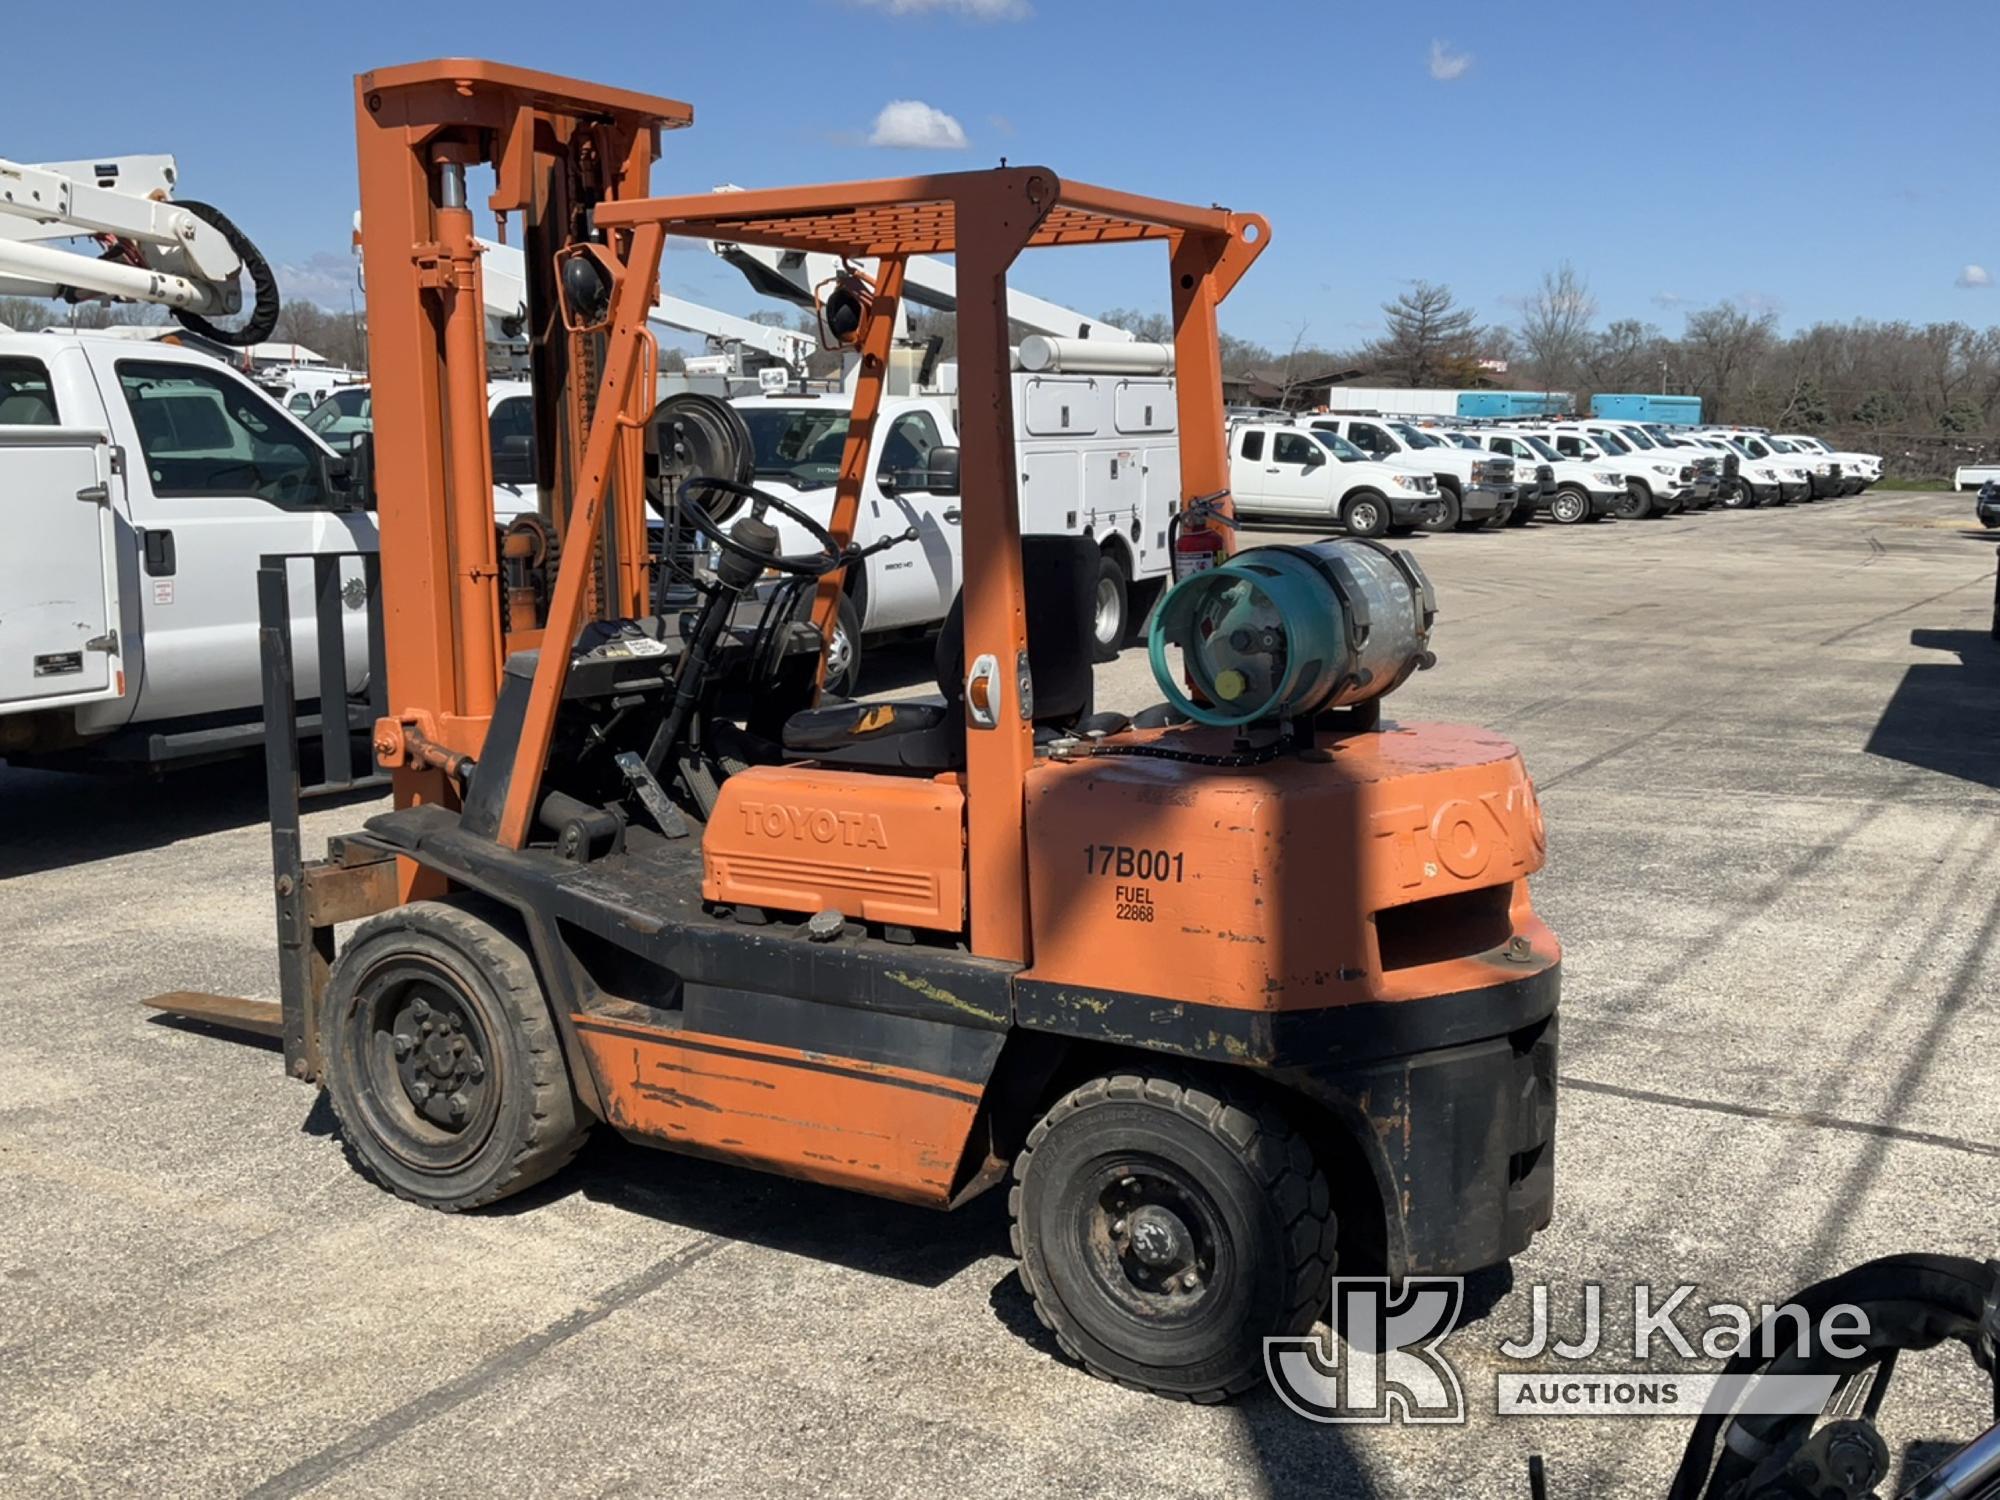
1061, 576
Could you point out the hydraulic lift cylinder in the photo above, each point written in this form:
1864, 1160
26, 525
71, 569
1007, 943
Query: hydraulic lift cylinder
475, 569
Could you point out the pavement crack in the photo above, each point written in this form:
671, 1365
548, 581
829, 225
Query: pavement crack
1810, 1118
317, 1468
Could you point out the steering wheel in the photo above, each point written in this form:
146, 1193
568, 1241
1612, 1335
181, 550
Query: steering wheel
831, 555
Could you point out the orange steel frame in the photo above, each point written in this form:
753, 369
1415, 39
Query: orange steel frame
442, 593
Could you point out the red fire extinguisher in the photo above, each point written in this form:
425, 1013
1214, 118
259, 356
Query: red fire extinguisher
1195, 535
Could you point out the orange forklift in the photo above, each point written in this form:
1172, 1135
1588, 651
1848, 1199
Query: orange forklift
1235, 990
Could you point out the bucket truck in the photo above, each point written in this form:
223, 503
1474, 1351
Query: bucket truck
145, 481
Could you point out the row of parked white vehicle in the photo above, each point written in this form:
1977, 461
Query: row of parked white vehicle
1376, 475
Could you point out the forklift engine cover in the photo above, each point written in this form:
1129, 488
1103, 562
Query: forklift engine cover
1382, 867
802, 839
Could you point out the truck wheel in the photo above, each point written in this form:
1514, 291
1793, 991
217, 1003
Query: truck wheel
1445, 512
1111, 624
1569, 507
1738, 497
1520, 515
1165, 1232
843, 652
1366, 514
442, 1064
1636, 504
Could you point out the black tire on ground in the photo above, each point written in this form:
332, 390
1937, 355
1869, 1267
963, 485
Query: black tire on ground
1365, 513
1445, 513
442, 1062
1111, 625
1130, 1186
1636, 503
1520, 515
1570, 506
843, 652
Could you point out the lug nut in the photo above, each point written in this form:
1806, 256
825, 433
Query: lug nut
1118, 1226
420, 1009
1190, 1281
404, 1042
422, 1089
457, 1103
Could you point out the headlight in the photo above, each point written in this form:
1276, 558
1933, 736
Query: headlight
1407, 482
1667, 469
1609, 481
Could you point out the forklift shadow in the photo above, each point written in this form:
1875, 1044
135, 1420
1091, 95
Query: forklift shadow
876, 1237
53, 819
1945, 716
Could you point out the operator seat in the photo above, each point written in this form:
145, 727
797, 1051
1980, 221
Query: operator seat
928, 733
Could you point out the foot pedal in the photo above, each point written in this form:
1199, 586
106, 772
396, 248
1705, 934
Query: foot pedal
652, 794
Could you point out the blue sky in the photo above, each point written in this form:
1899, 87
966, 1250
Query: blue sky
1822, 160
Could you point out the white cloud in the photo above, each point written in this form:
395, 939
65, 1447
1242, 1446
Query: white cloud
971, 10
1669, 300
1970, 276
1447, 64
911, 122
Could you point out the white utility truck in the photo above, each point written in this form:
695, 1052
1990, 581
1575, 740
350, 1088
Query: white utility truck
145, 482
1096, 441
1282, 472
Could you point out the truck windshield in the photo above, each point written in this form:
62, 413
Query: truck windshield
1611, 443
1337, 445
1780, 445
1416, 437
1540, 447
1635, 437
799, 444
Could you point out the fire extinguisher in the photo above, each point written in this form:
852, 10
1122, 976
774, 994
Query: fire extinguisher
1195, 537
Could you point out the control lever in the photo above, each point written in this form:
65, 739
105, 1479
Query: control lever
855, 554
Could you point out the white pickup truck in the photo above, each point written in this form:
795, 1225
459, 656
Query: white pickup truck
1580, 489
1285, 473
1857, 470
143, 483
1473, 490
1658, 480
1098, 455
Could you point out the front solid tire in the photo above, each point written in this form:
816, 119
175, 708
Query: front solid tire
443, 1065
1166, 1231
1637, 503
1569, 507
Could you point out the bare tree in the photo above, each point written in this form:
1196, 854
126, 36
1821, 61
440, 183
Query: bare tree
1720, 351
1428, 340
1555, 326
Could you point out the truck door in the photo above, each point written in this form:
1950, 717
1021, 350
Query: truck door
926, 571
1248, 479
1298, 480
221, 478
58, 572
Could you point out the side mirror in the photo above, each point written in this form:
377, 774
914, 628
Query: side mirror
514, 460
942, 476
1314, 458
353, 477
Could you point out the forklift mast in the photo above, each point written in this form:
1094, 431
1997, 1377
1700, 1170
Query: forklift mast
559, 149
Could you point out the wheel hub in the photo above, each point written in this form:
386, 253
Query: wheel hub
1107, 610
1157, 1253
438, 1060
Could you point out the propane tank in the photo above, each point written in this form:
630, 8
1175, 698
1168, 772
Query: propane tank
1287, 632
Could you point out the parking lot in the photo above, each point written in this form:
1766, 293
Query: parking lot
1766, 746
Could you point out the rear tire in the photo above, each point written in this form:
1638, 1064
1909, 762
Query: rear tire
1111, 625
1569, 507
1365, 513
1165, 1231
443, 1065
